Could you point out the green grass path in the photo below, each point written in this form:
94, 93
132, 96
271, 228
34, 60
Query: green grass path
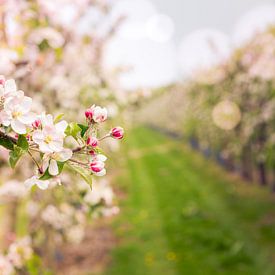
183, 215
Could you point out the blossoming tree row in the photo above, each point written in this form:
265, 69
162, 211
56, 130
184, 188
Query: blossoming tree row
228, 111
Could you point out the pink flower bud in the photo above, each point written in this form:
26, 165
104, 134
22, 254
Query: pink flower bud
2, 80
89, 114
97, 166
36, 124
92, 141
117, 133
92, 152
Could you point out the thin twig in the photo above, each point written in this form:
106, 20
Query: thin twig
34, 160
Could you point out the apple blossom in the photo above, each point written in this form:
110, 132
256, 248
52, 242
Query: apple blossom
99, 114
32, 134
50, 160
16, 113
51, 137
42, 184
96, 114
117, 133
6, 267
7, 87
20, 251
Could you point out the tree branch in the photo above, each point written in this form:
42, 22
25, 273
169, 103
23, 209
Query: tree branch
12, 139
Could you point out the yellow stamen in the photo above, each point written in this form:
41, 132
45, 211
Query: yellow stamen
16, 114
48, 139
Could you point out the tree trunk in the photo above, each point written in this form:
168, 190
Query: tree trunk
246, 169
262, 173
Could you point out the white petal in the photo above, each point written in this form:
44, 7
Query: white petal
42, 184
10, 86
29, 183
101, 173
38, 136
44, 147
56, 146
64, 155
61, 126
53, 168
18, 127
26, 104
27, 118
45, 162
101, 157
5, 118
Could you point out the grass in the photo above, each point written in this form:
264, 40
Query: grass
184, 215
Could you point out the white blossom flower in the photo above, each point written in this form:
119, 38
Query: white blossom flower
42, 184
12, 190
50, 160
6, 267
99, 114
17, 113
56, 218
7, 87
51, 138
101, 191
75, 234
20, 251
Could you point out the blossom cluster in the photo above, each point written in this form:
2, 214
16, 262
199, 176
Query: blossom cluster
43, 137
18, 253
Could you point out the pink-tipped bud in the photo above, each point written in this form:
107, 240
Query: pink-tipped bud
92, 152
89, 114
92, 141
117, 133
28, 137
2, 80
36, 124
97, 166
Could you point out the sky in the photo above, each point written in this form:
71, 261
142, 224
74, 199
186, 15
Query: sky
163, 41
190, 15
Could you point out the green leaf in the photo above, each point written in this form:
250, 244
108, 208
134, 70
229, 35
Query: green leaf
15, 155
72, 129
46, 175
60, 166
58, 118
5, 142
85, 174
83, 128
23, 143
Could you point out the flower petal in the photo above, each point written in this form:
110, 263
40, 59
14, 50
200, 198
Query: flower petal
10, 86
64, 155
29, 183
42, 184
61, 126
101, 173
18, 127
25, 104
45, 162
38, 136
56, 145
53, 168
27, 118
101, 157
